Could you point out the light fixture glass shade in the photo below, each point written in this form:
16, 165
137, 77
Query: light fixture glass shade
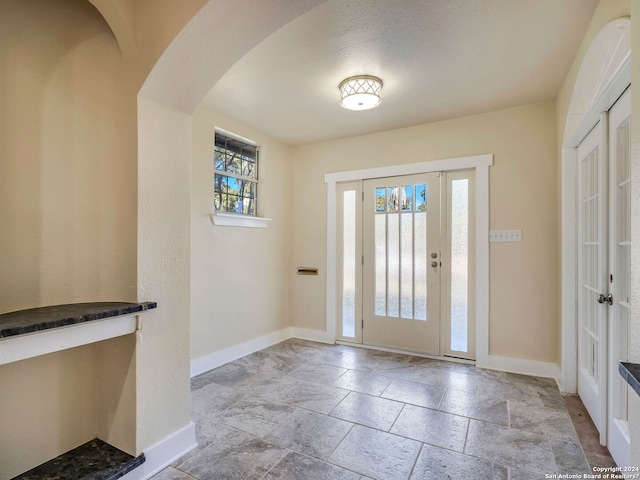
360, 93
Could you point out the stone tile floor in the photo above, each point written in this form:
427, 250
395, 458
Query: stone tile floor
305, 411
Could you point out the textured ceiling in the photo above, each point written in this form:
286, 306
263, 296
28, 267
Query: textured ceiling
438, 59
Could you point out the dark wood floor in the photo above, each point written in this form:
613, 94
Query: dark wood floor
597, 455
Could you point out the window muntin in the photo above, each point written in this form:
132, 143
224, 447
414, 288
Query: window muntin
235, 175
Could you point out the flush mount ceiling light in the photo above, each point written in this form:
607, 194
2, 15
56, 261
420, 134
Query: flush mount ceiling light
360, 93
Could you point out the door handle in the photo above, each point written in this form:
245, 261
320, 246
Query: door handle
608, 298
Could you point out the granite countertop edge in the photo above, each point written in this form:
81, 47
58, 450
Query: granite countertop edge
44, 318
631, 373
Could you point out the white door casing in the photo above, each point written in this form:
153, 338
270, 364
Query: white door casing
480, 230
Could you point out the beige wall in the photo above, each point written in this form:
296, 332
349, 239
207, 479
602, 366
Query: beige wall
239, 276
197, 57
158, 22
67, 209
522, 196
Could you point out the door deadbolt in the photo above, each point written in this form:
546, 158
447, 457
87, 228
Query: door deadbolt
434, 254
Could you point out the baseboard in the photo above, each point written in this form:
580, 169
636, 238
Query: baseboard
164, 453
229, 354
312, 335
519, 365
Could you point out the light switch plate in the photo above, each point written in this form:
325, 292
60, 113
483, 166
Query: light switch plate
499, 236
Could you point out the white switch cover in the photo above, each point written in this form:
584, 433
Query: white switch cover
496, 236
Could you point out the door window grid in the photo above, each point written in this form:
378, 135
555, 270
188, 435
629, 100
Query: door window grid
590, 199
235, 175
401, 251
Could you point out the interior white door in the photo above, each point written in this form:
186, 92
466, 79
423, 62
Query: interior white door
619, 280
401, 272
592, 267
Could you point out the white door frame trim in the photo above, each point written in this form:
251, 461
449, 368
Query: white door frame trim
604, 75
481, 164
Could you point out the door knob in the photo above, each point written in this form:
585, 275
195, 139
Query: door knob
434, 264
608, 298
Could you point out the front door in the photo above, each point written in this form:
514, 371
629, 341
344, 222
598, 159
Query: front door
402, 264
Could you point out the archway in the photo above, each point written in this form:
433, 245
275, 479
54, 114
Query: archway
217, 37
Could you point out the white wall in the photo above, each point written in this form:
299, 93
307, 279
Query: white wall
522, 196
240, 277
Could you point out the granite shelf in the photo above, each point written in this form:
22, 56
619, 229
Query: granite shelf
95, 460
631, 373
43, 318
39, 331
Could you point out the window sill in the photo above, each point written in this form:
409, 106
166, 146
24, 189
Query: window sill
235, 220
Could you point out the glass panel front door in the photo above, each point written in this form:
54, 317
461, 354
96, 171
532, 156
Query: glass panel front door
401, 233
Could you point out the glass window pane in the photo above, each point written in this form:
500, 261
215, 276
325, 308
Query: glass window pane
234, 185
248, 169
249, 206
219, 158
407, 198
381, 264
420, 265
381, 199
393, 262
406, 265
349, 264
237, 159
421, 198
234, 164
249, 152
392, 199
233, 204
459, 264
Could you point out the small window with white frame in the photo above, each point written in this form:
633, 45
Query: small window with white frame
235, 174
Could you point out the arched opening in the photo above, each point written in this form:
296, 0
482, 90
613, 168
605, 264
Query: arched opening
206, 48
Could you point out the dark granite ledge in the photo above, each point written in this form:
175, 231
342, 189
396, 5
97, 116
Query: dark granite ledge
95, 460
43, 318
631, 373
